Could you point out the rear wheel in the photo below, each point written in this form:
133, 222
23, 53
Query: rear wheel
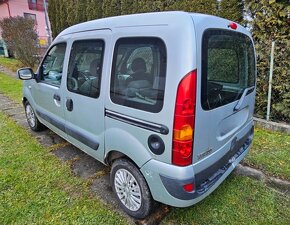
131, 189
32, 120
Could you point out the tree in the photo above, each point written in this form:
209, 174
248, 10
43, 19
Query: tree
63, 15
232, 10
271, 23
111, 8
202, 6
127, 7
20, 35
52, 16
81, 15
94, 9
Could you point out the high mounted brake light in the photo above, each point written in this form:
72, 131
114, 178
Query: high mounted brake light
184, 118
233, 26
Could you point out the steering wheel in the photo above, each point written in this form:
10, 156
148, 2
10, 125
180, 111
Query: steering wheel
214, 97
83, 75
73, 83
214, 87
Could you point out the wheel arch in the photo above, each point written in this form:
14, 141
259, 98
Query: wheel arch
115, 155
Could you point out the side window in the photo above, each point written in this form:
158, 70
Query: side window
52, 65
85, 67
138, 73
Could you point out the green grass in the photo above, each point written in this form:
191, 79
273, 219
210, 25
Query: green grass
35, 188
239, 200
11, 87
270, 153
10, 63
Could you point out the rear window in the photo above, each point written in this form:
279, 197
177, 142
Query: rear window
138, 73
228, 67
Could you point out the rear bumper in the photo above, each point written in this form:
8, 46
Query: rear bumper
166, 181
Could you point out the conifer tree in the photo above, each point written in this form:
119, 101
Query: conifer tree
271, 23
111, 8
232, 10
127, 7
94, 9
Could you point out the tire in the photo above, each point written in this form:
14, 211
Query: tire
140, 202
31, 117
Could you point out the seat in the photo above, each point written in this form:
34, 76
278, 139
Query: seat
139, 69
91, 86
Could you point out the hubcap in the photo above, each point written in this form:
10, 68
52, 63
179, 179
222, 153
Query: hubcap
30, 116
128, 189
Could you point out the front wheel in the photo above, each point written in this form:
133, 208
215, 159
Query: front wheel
32, 120
131, 189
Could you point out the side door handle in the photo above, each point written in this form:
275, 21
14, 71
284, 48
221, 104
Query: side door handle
69, 104
56, 97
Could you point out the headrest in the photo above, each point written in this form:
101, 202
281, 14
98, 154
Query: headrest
138, 65
95, 67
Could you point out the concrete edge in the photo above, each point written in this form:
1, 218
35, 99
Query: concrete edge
282, 186
282, 127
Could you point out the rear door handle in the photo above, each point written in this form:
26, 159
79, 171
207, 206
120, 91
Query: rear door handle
69, 104
56, 97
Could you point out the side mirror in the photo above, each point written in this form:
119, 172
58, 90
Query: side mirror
25, 73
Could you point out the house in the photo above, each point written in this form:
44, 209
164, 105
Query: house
28, 8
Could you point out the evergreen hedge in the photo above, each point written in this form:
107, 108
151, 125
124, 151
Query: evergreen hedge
64, 13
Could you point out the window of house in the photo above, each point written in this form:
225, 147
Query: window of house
85, 67
30, 16
138, 73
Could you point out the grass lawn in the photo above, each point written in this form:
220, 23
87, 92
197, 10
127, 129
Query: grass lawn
239, 200
11, 63
270, 153
11, 87
35, 188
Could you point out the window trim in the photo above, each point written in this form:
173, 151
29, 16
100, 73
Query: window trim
163, 71
204, 74
39, 71
102, 66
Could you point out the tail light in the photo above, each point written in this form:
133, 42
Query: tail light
184, 117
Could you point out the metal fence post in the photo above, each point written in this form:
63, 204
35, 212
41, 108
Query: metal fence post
270, 81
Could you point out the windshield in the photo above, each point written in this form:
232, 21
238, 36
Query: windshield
228, 67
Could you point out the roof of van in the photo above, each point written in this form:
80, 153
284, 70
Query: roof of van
142, 19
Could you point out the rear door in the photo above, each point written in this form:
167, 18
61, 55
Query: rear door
83, 95
227, 88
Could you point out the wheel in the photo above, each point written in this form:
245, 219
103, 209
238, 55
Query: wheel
32, 120
131, 189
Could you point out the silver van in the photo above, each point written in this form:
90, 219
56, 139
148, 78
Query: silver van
166, 99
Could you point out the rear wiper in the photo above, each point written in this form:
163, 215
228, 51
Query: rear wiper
240, 102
